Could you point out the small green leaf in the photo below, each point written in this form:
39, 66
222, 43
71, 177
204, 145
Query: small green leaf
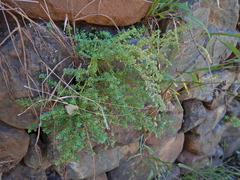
206, 53
150, 176
195, 79
224, 34
231, 46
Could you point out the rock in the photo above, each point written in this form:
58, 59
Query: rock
195, 161
191, 160
218, 152
124, 136
52, 174
220, 99
214, 84
13, 146
139, 167
233, 108
173, 173
214, 20
202, 145
129, 169
36, 157
21, 62
176, 118
204, 142
194, 114
210, 123
230, 139
231, 147
104, 162
107, 12
99, 177
24, 172
169, 150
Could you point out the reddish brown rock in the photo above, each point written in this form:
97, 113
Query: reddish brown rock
88, 166
13, 146
124, 136
22, 60
202, 144
175, 113
139, 167
169, 150
36, 156
107, 12
191, 159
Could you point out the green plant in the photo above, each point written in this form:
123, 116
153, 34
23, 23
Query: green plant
162, 8
210, 172
234, 120
120, 83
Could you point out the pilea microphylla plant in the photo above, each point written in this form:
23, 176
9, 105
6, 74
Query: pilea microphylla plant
121, 82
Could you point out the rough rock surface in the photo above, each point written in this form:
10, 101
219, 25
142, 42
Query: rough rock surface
21, 65
175, 113
99, 177
223, 19
230, 139
23, 172
206, 133
190, 159
107, 12
97, 165
135, 168
214, 83
210, 123
194, 114
36, 156
13, 146
202, 139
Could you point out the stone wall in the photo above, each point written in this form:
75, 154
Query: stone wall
198, 134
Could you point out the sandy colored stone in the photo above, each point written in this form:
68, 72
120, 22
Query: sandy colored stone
102, 12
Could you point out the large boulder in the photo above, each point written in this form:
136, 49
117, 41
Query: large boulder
222, 18
13, 146
33, 51
107, 12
